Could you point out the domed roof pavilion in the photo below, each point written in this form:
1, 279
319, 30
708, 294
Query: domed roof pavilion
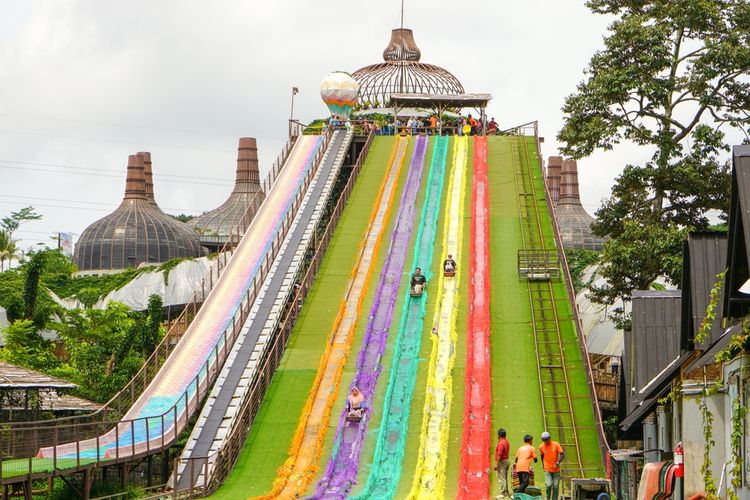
136, 232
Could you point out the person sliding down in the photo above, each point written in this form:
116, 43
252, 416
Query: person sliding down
355, 405
449, 265
417, 282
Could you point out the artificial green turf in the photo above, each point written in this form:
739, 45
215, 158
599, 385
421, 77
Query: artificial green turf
515, 388
411, 453
350, 368
266, 447
20, 466
368, 447
459, 368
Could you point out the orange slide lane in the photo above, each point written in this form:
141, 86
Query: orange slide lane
474, 481
299, 469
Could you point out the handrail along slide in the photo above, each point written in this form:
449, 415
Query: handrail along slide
88, 435
556, 401
219, 415
228, 455
532, 128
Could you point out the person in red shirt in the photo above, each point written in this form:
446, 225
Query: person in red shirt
501, 458
524, 456
552, 454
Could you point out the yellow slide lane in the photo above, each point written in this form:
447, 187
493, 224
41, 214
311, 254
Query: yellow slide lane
429, 477
299, 469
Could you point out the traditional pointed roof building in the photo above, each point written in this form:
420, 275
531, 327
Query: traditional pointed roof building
572, 219
136, 232
215, 227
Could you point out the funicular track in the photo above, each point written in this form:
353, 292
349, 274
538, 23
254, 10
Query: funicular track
549, 345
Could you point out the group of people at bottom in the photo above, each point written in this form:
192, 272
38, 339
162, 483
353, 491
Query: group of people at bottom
551, 453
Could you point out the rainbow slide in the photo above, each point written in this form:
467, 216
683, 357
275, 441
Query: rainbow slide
161, 412
474, 481
391, 441
298, 471
341, 472
429, 477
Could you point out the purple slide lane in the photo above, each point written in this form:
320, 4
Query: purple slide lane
341, 472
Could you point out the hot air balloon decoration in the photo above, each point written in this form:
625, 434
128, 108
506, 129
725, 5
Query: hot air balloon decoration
339, 91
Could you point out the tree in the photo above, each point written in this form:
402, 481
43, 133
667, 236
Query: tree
34, 270
100, 345
8, 249
15, 219
672, 73
182, 217
151, 333
25, 347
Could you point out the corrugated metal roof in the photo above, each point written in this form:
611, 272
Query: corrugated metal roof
737, 304
704, 257
654, 341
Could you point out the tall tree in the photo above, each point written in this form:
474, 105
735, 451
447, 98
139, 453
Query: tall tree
671, 75
15, 219
34, 270
8, 249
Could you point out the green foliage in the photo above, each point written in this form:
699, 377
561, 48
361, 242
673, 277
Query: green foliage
151, 332
736, 436
705, 329
168, 266
578, 260
15, 219
670, 74
65, 285
708, 440
100, 345
34, 270
642, 254
25, 347
182, 217
8, 248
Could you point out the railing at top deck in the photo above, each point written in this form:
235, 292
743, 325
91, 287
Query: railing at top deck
532, 129
24, 439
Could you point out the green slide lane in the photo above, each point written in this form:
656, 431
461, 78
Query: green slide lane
266, 446
516, 402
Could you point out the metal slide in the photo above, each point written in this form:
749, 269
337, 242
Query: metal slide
219, 415
164, 408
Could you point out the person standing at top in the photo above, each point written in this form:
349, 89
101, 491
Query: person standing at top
433, 124
552, 454
524, 456
473, 124
492, 127
501, 458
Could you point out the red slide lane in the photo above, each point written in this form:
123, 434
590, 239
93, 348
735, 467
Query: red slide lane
474, 480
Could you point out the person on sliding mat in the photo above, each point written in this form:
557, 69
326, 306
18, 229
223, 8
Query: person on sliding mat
418, 282
449, 265
355, 405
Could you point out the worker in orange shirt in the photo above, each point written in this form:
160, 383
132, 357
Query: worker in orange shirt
524, 456
552, 454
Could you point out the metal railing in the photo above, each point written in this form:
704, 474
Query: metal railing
226, 457
532, 128
21, 442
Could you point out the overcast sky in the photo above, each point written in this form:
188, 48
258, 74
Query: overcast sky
83, 84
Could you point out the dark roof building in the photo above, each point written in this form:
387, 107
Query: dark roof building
215, 227
136, 232
402, 72
572, 219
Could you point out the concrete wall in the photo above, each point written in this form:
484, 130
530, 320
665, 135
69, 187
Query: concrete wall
693, 442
